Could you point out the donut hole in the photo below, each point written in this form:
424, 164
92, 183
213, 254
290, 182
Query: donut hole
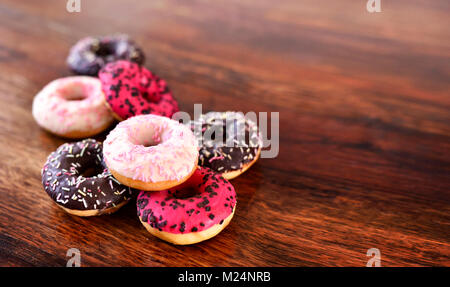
73, 92
149, 144
76, 97
185, 192
104, 49
153, 140
151, 96
91, 171
146, 137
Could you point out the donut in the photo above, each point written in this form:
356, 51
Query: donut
76, 178
217, 153
132, 90
90, 54
192, 212
151, 152
72, 107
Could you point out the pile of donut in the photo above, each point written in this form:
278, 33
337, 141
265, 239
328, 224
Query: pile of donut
180, 176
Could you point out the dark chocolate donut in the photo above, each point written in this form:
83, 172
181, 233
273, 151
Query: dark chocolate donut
90, 54
216, 152
76, 178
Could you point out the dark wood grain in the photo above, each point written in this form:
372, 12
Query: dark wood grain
364, 103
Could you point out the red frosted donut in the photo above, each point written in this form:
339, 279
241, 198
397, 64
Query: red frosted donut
194, 211
132, 90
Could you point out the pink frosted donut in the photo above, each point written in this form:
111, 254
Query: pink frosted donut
72, 107
151, 152
132, 90
195, 211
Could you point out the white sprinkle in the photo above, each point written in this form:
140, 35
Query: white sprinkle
82, 151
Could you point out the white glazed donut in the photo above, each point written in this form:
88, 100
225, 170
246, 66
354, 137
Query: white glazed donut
72, 107
151, 152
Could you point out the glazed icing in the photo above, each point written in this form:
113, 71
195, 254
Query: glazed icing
151, 148
133, 90
213, 201
71, 104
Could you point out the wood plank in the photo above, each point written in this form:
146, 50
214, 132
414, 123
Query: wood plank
364, 129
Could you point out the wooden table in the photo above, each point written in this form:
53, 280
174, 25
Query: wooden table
364, 108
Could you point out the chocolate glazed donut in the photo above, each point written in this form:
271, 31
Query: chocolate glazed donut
90, 54
76, 178
230, 161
